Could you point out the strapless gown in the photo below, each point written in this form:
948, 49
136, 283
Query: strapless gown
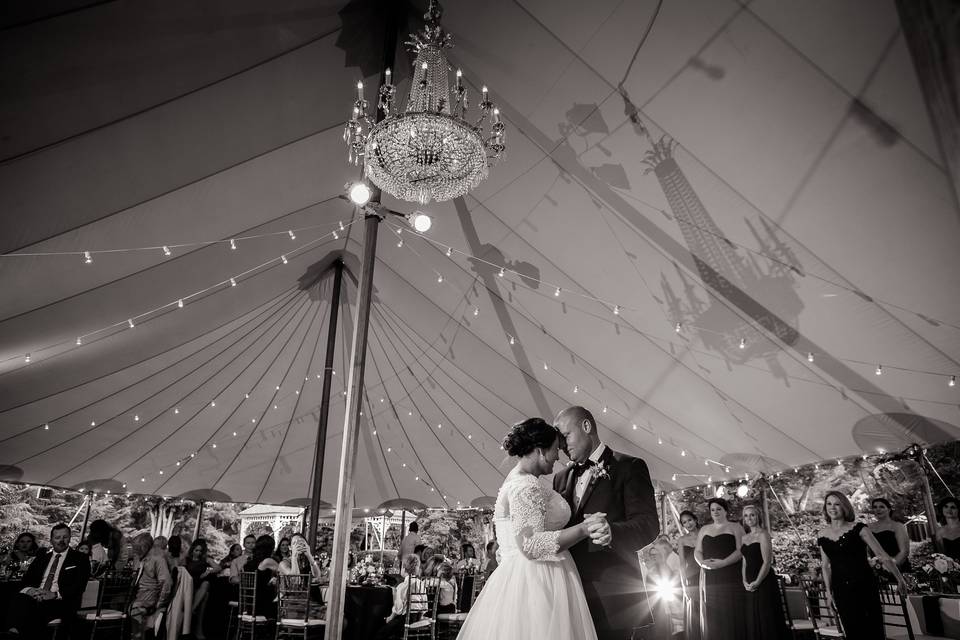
691, 604
722, 595
765, 619
536, 592
888, 540
952, 548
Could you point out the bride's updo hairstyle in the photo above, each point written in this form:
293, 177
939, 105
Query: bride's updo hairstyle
533, 433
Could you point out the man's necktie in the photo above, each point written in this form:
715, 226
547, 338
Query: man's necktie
52, 573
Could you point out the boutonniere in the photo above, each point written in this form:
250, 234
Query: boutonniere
601, 471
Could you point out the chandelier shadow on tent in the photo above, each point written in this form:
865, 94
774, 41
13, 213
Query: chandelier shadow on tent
431, 150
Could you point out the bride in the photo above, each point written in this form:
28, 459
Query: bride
536, 591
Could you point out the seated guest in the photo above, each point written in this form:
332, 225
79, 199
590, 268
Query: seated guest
201, 569
491, 562
409, 569
283, 550
447, 600
891, 535
266, 568
52, 588
102, 554
84, 547
175, 555
468, 558
948, 533
24, 550
236, 550
302, 562
153, 584
236, 567
433, 563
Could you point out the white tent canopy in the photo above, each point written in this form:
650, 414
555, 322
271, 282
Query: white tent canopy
765, 176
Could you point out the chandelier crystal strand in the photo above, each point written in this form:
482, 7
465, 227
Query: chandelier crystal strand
430, 150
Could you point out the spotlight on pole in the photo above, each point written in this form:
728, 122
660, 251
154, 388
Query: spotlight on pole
420, 221
359, 193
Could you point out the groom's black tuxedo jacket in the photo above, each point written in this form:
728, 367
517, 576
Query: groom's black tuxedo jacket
611, 576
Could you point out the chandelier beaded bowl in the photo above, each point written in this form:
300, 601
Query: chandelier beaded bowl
431, 150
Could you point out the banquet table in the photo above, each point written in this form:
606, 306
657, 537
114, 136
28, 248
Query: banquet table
366, 610
935, 614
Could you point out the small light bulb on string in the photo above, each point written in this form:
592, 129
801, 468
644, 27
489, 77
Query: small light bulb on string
616, 309
180, 303
233, 244
576, 388
557, 292
213, 403
335, 236
634, 427
46, 427
512, 341
674, 477
683, 453
87, 258
166, 251
233, 282
677, 327
726, 469
476, 311
400, 242
604, 408
952, 382
214, 445
246, 396
449, 251
79, 341
176, 411
659, 440
292, 235
130, 323
340, 223
193, 455
143, 479
879, 370
93, 423
284, 259
502, 272
706, 462
743, 343
26, 358
439, 278
136, 418
810, 356
161, 471
546, 367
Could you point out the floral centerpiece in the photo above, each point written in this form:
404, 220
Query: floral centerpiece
943, 573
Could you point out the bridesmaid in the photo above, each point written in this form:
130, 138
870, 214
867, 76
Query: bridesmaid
764, 610
948, 515
721, 589
891, 535
852, 587
690, 574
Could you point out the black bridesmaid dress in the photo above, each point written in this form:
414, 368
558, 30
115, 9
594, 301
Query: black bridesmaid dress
764, 609
721, 592
691, 604
888, 540
951, 548
854, 585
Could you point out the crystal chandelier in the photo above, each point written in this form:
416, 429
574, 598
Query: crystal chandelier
431, 150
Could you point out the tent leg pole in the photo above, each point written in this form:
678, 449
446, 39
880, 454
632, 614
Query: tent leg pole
197, 527
86, 517
351, 428
320, 450
663, 511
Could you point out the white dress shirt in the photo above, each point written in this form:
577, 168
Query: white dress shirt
584, 480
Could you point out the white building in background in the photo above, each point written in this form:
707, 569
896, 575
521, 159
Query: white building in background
274, 517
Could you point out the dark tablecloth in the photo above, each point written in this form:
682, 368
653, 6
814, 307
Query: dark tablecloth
366, 610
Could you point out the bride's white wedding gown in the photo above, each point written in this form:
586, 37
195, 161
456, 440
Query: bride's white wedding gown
535, 592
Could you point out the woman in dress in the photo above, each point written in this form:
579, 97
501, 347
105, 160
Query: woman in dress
468, 558
447, 598
891, 535
765, 619
852, 587
721, 587
536, 591
261, 561
948, 533
283, 550
201, 568
25, 548
690, 574
302, 562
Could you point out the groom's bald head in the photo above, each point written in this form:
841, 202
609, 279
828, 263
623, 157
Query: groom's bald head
579, 429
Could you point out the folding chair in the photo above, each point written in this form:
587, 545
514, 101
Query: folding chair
800, 625
896, 618
826, 623
293, 619
113, 599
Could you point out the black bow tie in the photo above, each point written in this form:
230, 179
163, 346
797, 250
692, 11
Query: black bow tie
580, 467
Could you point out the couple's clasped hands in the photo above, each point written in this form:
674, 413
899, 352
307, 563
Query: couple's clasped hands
598, 529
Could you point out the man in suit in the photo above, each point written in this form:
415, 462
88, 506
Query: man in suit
601, 480
52, 588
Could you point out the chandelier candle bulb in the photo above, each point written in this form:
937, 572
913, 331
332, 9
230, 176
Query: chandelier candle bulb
360, 91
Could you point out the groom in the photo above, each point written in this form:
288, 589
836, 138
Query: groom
600, 480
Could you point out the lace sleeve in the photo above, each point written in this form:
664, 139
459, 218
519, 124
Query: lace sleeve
528, 510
